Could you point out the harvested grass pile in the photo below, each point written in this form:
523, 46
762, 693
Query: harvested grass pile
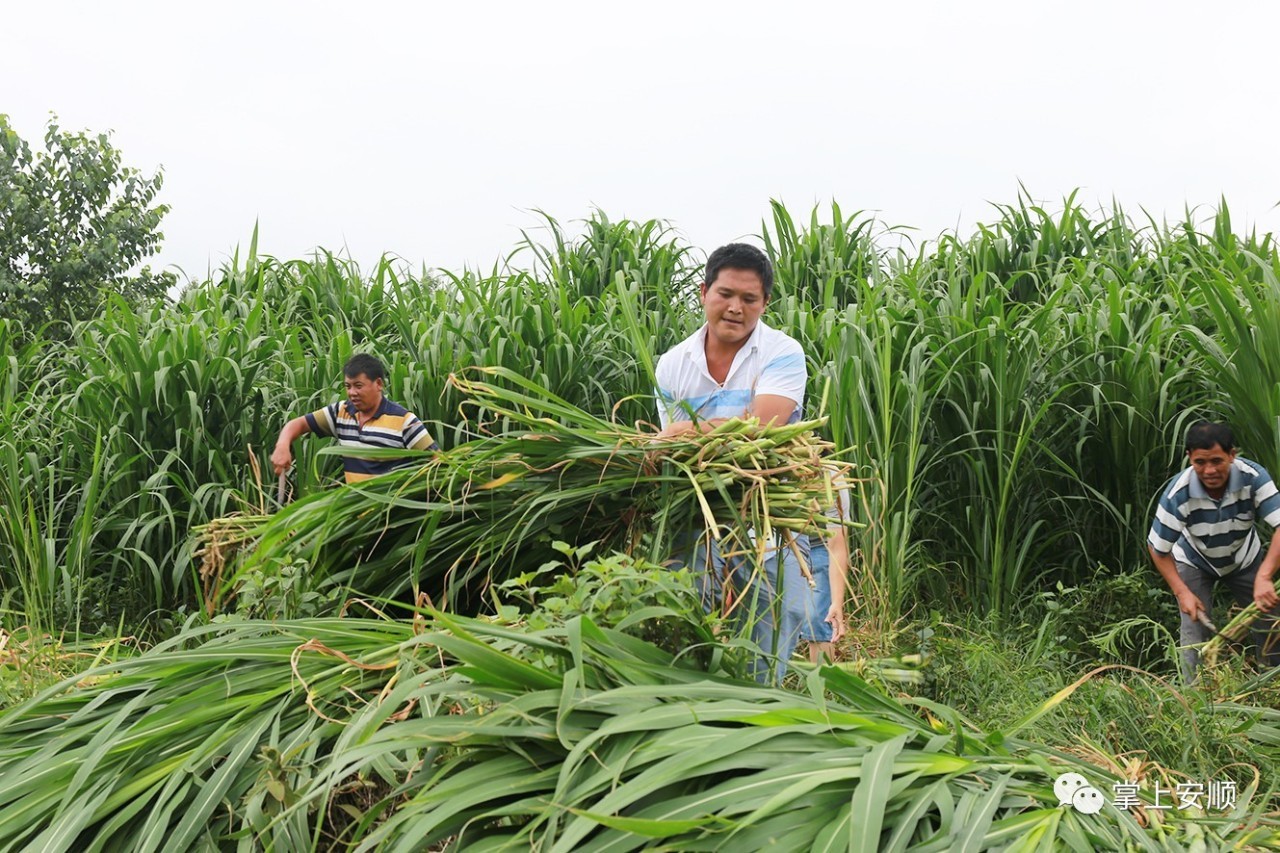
1233, 632
542, 470
577, 737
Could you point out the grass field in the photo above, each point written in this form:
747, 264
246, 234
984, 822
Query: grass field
1011, 401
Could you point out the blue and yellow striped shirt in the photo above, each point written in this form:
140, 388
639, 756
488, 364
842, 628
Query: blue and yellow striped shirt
391, 426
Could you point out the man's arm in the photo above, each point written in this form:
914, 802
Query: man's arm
1266, 499
1264, 589
780, 388
837, 571
1188, 603
668, 404
676, 428
670, 407
772, 409
1167, 526
282, 456
414, 434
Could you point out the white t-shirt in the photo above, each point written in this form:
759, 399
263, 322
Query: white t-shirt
770, 362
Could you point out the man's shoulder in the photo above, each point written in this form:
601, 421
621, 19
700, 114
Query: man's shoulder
395, 411
1250, 468
672, 357
781, 354
1252, 474
776, 345
776, 338
390, 407
1177, 489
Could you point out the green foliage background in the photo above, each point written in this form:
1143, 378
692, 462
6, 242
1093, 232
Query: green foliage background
1014, 399
75, 222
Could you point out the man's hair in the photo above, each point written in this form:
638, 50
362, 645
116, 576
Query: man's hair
364, 363
1204, 435
740, 256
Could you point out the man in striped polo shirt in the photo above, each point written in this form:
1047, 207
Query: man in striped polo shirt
1204, 535
365, 419
735, 365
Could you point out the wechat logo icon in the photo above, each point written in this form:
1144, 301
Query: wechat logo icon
1074, 790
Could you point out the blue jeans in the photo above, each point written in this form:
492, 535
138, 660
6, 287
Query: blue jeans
815, 628
770, 619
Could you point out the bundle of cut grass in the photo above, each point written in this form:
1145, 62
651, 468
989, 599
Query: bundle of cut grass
547, 470
906, 670
218, 543
1233, 632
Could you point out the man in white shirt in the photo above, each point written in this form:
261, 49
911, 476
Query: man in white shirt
735, 365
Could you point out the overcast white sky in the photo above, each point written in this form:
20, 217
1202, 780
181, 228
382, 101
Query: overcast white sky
433, 130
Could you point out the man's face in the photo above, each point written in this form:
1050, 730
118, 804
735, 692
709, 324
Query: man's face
733, 304
1212, 466
364, 393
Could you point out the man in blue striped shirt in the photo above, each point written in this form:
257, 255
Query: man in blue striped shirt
1204, 535
365, 419
736, 366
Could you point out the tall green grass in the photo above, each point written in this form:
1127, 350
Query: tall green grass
1012, 397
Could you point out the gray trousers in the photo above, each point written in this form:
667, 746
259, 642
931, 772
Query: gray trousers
1240, 583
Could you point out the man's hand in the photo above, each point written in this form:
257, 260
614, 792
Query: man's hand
1189, 604
653, 456
1264, 589
1264, 593
281, 459
282, 456
674, 429
835, 618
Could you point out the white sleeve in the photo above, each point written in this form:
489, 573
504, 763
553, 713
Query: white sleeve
785, 374
663, 394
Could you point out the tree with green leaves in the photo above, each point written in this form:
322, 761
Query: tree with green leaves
75, 223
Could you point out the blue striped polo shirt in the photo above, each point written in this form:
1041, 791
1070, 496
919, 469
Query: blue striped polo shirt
391, 426
1216, 536
769, 362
